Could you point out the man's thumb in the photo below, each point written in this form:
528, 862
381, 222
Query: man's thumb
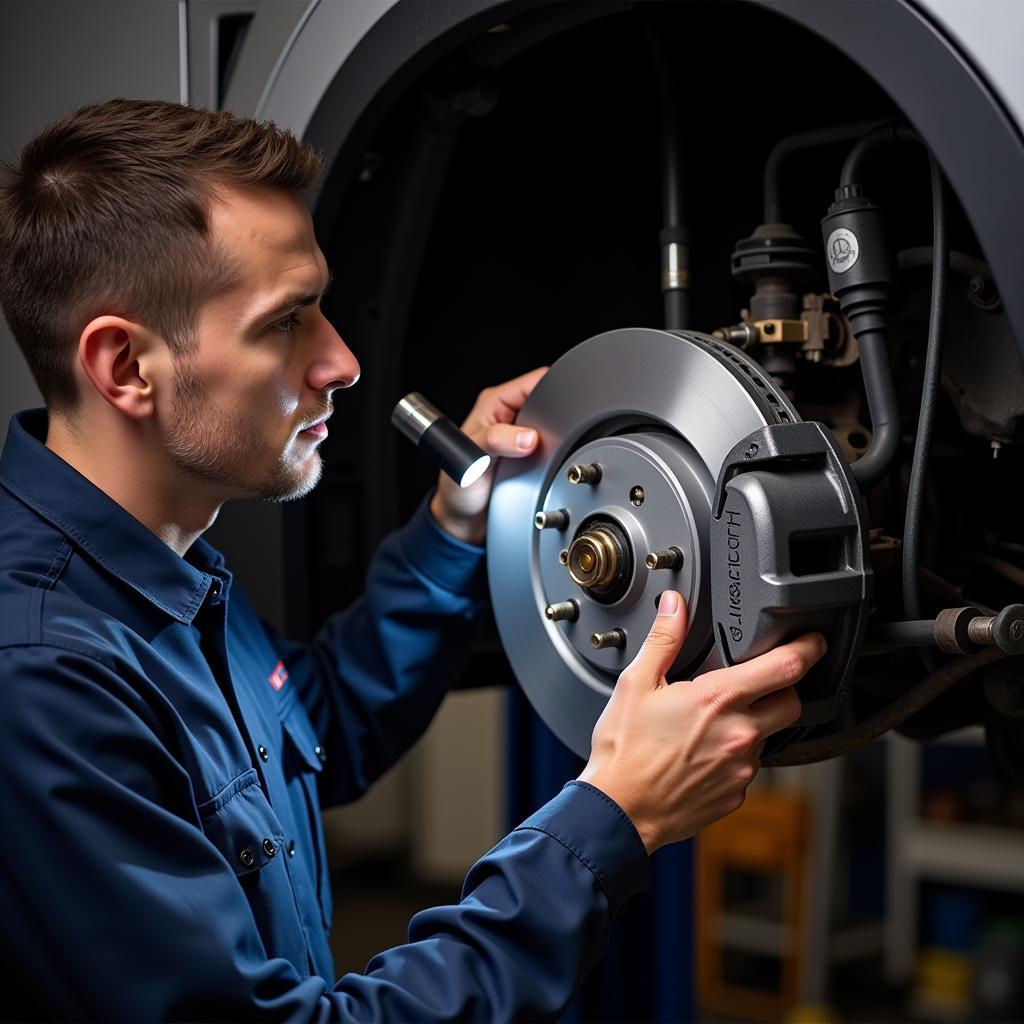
663, 641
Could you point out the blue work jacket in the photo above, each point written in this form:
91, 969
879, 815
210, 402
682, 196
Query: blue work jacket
164, 756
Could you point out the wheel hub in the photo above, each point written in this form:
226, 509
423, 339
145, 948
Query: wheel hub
598, 559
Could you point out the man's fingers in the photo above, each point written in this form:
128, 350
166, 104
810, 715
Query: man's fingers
778, 668
512, 395
509, 441
776, 711
501, 404
662, 644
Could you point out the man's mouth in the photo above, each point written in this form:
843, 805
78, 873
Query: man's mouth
316, 431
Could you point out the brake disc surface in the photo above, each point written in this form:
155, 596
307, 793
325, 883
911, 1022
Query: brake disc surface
656, 413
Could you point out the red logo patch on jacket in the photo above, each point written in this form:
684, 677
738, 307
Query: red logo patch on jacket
279, 676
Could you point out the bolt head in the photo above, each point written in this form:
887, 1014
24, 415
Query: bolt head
752, 450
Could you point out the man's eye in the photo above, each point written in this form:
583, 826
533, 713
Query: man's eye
286, 325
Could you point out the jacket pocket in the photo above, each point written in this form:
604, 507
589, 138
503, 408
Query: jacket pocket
299, 734
242, 825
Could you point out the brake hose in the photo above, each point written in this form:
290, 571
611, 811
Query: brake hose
940, 678
853, 173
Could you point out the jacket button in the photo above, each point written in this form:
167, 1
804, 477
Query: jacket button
291, 847
269, 848
262, 751
321, 753
247, 857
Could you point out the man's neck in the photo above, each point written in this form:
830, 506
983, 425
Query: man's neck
121, 460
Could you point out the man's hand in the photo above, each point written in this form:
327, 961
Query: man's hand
676, 758
462, 511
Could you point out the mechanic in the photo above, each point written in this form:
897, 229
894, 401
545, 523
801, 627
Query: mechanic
164, 754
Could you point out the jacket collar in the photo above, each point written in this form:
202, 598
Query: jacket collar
96, 524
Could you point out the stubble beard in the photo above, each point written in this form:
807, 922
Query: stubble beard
231, 452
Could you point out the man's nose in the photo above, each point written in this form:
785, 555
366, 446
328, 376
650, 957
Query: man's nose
334, 366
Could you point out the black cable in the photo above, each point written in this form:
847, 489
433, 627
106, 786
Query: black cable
882, 408
929, 396
677, 308
882, 136
674, 237
786, 147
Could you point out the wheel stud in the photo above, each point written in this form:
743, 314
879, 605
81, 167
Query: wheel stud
556, 520
612, 638
669, 558
588, 474
563, 610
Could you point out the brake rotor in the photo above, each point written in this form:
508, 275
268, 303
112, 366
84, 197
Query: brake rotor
613, 508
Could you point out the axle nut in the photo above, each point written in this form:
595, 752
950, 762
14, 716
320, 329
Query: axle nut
594, 559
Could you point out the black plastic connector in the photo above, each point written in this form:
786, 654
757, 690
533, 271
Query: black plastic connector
859, 270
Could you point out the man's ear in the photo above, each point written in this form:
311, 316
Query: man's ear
125, 363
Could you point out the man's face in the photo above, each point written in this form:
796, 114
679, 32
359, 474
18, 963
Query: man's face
249, 402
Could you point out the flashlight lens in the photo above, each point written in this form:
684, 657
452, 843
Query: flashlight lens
475, 471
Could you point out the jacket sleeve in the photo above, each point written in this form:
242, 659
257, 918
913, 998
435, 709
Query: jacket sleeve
375, 674
118, 905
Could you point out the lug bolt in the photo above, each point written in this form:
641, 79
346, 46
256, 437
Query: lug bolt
588, 474
1005, 630
964, 630
567, 610
636, 495
563, 556
613, 638
669, 558
556, 520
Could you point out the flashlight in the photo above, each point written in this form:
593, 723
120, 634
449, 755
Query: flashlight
427, 427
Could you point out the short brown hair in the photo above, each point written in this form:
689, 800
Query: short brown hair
108, 212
